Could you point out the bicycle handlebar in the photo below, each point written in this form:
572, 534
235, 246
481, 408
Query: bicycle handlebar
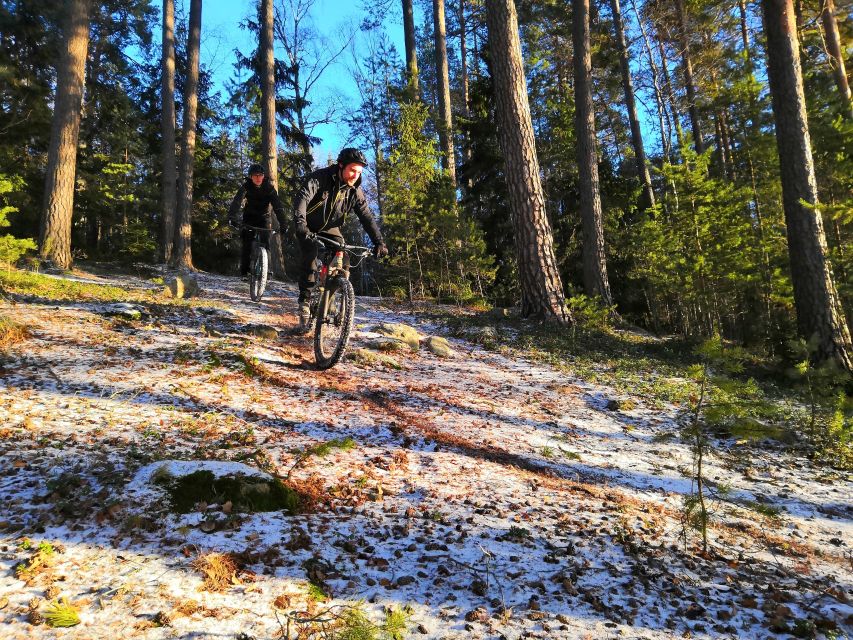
328, 242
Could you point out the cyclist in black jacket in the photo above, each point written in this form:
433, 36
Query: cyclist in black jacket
255, 197
322, 204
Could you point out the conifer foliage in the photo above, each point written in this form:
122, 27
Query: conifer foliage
711, 142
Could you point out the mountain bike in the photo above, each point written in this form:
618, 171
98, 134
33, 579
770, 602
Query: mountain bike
332, 301
259, 261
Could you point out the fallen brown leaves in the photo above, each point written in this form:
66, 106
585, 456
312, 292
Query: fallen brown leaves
11, 333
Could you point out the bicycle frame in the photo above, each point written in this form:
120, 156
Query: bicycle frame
332, 264
332, 303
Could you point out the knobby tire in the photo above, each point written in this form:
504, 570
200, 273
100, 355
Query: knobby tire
258, 272
335, 315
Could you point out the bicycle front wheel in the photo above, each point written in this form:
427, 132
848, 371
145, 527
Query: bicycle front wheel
258, 272
335, 315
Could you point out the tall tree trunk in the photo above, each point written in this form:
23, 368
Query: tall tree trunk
595, 279
411, 47
833, 47
268, 128
670, 91
267, 73
55, 231
445, 124
744, 32
183, 256
541, 286
631, 105
463, 57
687, 68
167, 124
663, 117
819, 311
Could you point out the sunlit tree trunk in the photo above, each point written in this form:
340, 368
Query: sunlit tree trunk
167, 124
183, 255
55, 231
541, 286
836, 54
819, 311
445, 124
411, 47
595, 279
268, 128
463, 57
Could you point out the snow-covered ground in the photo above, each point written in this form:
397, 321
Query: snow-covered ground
492, 495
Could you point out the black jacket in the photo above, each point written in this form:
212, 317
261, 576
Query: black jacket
257, 204
324, 200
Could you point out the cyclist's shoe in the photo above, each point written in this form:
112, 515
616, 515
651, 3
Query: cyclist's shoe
304, 317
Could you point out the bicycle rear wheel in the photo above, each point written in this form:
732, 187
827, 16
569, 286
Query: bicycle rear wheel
335, 315
258, 271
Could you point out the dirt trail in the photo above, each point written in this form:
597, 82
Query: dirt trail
491, 494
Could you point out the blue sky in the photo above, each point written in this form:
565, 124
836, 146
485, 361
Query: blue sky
221, 34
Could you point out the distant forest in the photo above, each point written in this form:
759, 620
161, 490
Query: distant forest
682, 165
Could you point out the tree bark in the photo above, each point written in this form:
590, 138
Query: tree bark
268, 128
445, 123
819, 311
670, 91
595, 279
687, 69
267, 74
411, 47
55, 231
631, 106
744, 32
167, 124
833, 47
463, 57
541, 286
183, 255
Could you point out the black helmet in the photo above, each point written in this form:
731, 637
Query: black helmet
350, 155
256, 169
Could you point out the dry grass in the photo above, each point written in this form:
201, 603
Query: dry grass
11, 333
219, 570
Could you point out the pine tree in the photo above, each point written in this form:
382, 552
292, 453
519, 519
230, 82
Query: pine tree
541, 285
631, 106
819, 311
167, 99
596, 283
445, 121
55, 236
183, 254
411, 48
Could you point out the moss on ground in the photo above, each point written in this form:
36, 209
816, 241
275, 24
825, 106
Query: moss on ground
28, 283
246, 493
